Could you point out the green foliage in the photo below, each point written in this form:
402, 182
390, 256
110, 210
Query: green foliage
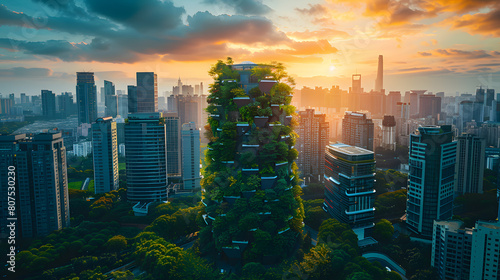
391, 204
337, 234
383, 231
473, 206
389, 180
314, 213
181, 223
116, 243
162, 259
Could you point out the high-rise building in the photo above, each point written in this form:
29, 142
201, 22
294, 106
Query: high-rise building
65, 104
146, 157
250, 157
313, 134
48, 104
111, 99
123, 105
431, 179
147, 92
86, 97
470, 164
132, 99
5, 106
189, 109
105, 152
392, 100
389, 133
415, 102
480, 94
190, 156
349, 187
451, 249
430, 105
379, 82
174, 152
355, 91
42, 201
357, 130
485, 256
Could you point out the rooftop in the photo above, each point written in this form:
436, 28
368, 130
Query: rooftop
350, 150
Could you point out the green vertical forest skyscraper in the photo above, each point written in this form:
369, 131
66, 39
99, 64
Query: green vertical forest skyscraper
251, 191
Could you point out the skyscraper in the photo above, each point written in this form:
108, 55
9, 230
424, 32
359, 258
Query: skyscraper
65, 104
86, 96
470, 164
111, 99
42, 200
174, 152
357, 130
48, 104
313, 134
349, 187
132, 99
392, 100
389, 133
354, 93
105, 152
379, 82
429, 105
146, 157
190, 156
147, 92
431, 179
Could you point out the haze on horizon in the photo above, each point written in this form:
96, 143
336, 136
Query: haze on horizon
441, 45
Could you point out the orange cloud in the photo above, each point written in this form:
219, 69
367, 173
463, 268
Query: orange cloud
328, 33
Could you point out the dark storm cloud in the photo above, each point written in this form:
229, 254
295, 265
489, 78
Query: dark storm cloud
144, 15
244, 7
21, 72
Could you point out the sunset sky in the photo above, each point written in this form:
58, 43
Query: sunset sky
439, 45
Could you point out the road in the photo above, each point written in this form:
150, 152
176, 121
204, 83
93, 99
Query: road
386, 262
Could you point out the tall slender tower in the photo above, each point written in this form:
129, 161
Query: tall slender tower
105, 151
379, 82
86, 96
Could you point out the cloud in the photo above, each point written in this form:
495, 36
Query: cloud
310, 48
313, 10
487, 24
244, 7
425, 53
461, 53
144, 15
327, 33
22, 72
413, 69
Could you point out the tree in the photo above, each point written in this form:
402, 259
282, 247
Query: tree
383, 231
116, 243
122, 275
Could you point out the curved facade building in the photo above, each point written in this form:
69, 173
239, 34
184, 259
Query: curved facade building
146, 157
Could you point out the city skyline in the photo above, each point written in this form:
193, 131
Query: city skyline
321, 42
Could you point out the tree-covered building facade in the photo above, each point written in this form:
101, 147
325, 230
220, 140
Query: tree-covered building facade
251, 191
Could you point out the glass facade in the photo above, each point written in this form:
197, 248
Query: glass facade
349, 187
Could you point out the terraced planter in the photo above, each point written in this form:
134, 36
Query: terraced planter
260, 121
242, 101
288, 120
268, 182
248, 194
